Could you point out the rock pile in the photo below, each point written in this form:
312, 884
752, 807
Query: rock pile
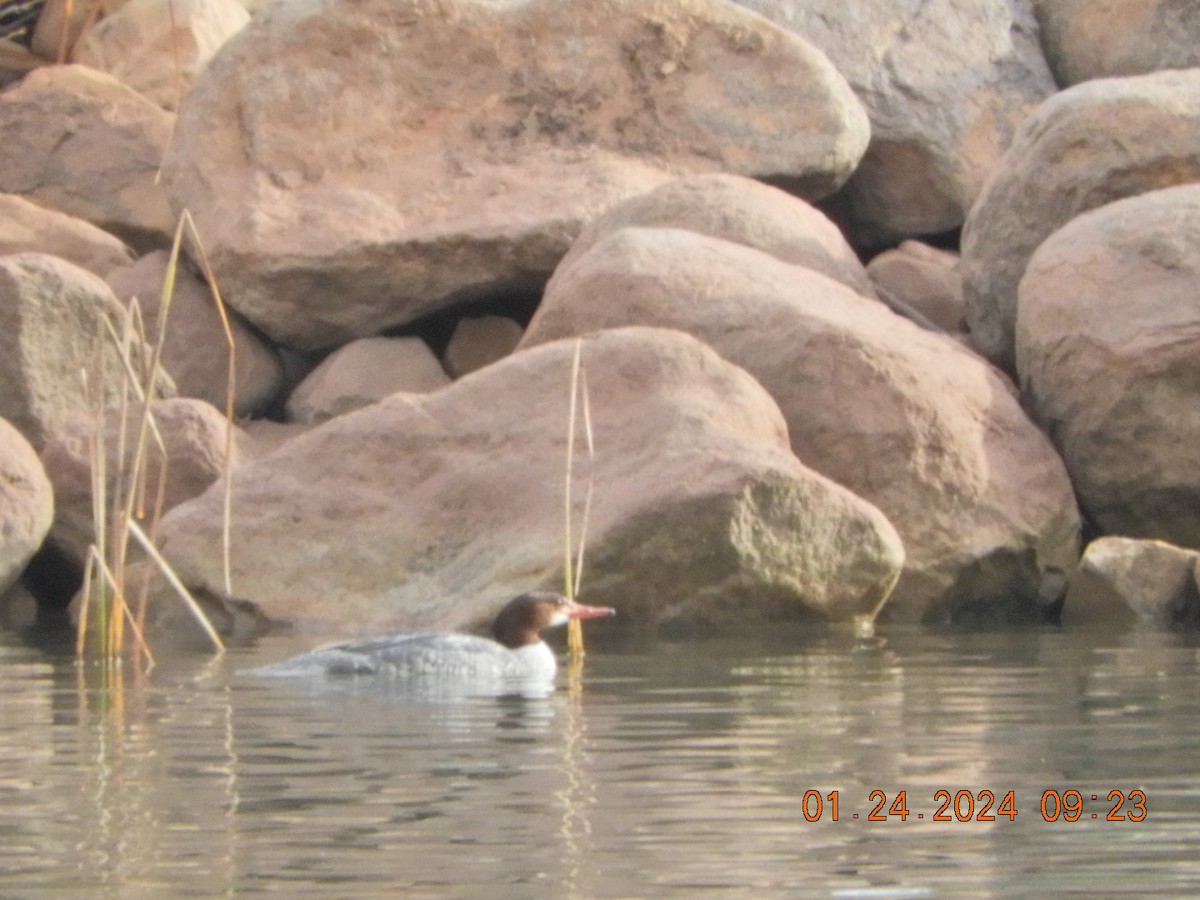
805, 402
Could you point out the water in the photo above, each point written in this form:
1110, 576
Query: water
676, 769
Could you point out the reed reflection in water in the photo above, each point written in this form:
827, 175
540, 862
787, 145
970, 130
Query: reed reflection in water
670, 770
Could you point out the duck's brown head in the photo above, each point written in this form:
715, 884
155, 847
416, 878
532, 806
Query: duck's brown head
523, 619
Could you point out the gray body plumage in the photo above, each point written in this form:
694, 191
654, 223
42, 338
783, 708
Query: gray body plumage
420, 655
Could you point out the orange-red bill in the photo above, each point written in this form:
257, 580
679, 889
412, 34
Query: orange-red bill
579, 611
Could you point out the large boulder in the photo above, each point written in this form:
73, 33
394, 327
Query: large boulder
26, 505
363, 372
1108, 351
78, 141
1124, 581
434, 509
906, 418
157, 46
195, 452
195, 349
50, 325
742, 210
28, 228
342, 192
1084, 147
945, 83
1085, 39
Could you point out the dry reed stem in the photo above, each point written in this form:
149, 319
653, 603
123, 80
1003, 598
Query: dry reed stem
168, 573
568, 544
116, 511
108, 506
131, 484
210, 278
160, 501
96, 562
85, 603
64, 32
126, 482
587, 497
573, 572
66, 53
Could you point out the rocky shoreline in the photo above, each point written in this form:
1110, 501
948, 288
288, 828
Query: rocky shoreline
889, 311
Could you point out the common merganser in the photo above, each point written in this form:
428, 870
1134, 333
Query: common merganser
517, 653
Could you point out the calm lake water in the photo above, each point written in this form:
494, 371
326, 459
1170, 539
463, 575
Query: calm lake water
675, 769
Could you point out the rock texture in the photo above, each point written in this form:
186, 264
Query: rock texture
49, 324
1125, 581
905, 418
922, 278
378, 167
1085, 39
1086, 146
194, 437
26, 505
945, 83
157, 46
363, 372
340, 193
434, 510
1108, 350
78, 141
742, 210
480, 341
18, 608
265, 436
28, 228
196, 349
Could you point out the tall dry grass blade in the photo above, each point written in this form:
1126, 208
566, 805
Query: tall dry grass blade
95, 563
135, 339
124, 484
160, 502
132, 377
85, 603
575, 635
94, 392
168, 573
568, 544
140, 645
120, 494
69, 54
128, 370
133, 469
64, 32
210, 278
572, 556
591, 483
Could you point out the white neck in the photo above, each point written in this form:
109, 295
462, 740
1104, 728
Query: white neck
538, 659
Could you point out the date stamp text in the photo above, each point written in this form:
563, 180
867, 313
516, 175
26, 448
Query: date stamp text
1069, 805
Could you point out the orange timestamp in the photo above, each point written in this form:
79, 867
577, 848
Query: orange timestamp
1070, 805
